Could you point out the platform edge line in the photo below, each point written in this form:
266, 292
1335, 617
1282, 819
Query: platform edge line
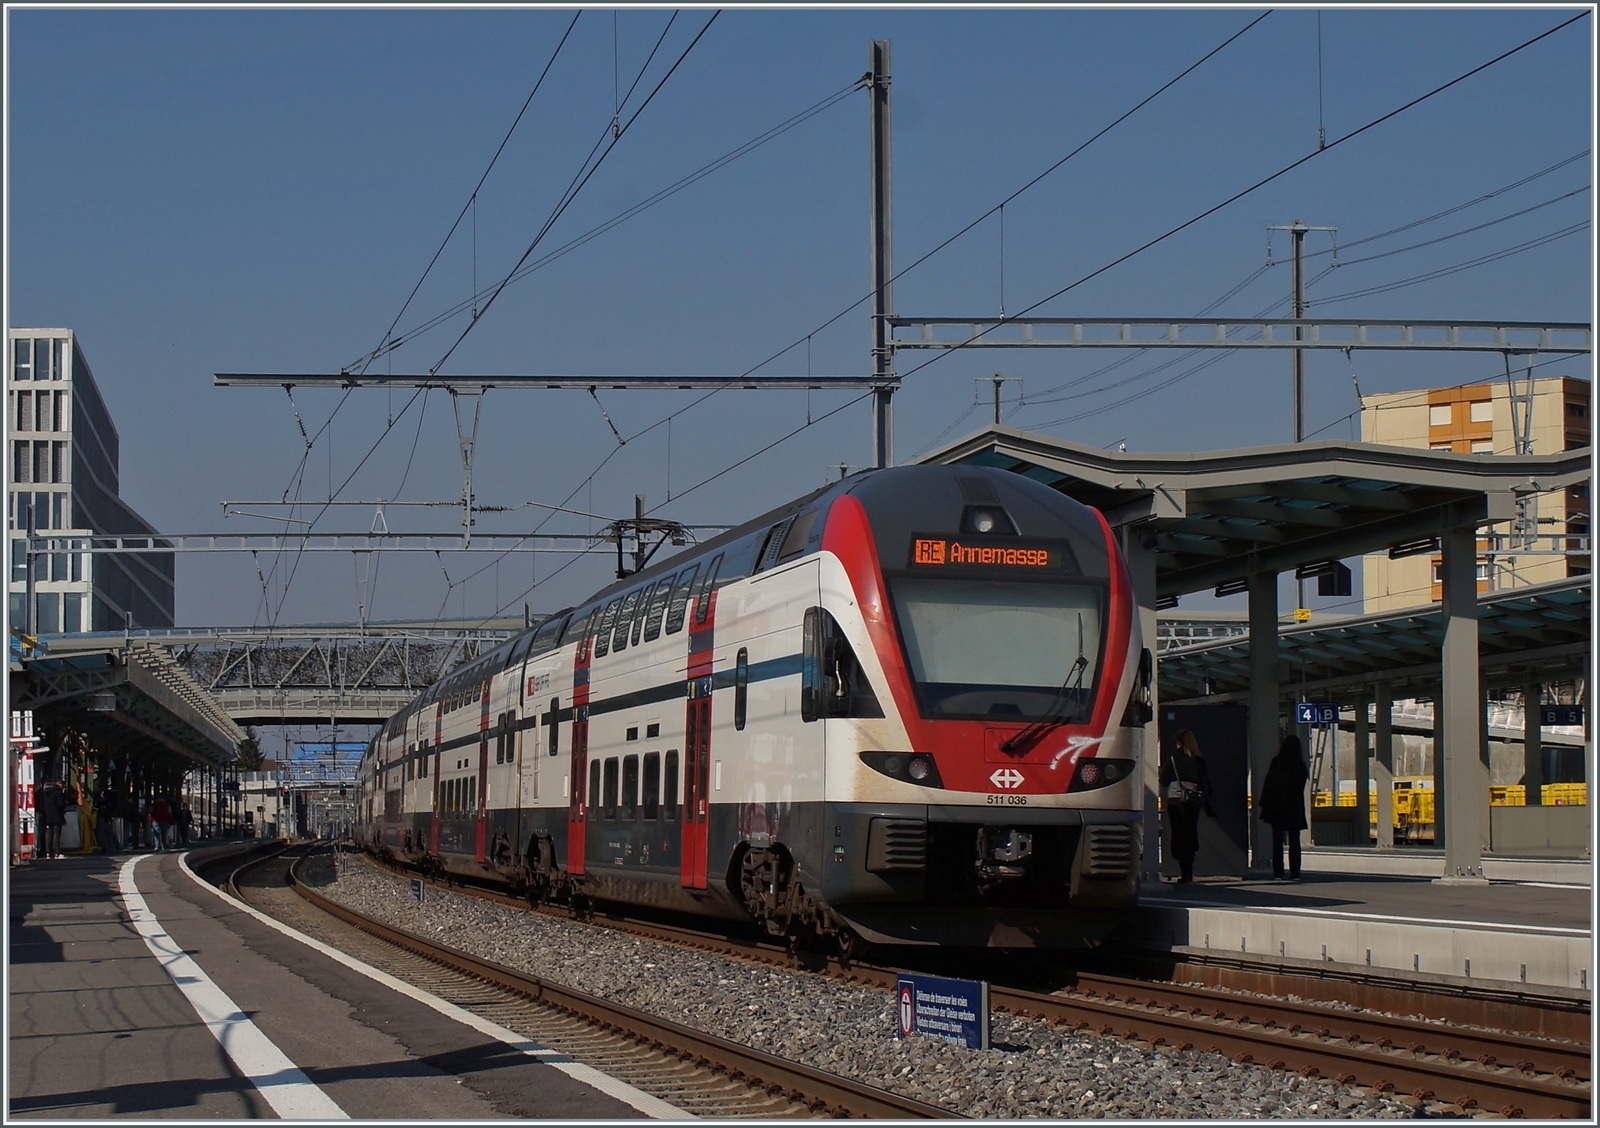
651, 1106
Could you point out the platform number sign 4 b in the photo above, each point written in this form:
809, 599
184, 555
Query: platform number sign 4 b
1317, 714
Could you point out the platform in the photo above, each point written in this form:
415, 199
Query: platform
1384, 911
100, 1027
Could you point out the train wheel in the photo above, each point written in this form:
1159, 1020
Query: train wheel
764, 887
847, 943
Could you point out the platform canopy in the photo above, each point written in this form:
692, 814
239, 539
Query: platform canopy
1217, 516
1540, 632
134, 698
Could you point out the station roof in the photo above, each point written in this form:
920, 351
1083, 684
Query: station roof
135, 698
1540, 631
1218, 516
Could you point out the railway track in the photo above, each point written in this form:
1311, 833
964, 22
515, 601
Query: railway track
704, 1075
1511, 1073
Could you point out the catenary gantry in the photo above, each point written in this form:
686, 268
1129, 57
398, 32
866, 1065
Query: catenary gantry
1234, 520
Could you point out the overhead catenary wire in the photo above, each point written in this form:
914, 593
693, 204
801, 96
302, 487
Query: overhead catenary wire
1457, 268
472, 199
1243, 192
585, 173
739, 151
1438, 215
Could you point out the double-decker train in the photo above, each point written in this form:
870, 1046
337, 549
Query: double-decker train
906, 708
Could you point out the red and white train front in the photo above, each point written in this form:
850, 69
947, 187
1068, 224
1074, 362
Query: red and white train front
971, 664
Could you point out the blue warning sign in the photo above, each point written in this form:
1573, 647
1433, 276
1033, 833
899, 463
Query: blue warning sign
952, 1010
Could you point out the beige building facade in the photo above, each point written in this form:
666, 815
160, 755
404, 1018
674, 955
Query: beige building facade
1478, 419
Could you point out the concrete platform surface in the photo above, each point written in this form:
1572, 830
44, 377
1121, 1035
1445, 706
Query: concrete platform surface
1511, 933
100, 1027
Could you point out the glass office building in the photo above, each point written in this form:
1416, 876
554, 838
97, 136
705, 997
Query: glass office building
63, 482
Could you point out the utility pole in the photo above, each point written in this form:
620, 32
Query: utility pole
999, 382
1297, 231
882, 260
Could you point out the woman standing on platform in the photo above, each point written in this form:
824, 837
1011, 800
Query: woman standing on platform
1283, 804
1186, 787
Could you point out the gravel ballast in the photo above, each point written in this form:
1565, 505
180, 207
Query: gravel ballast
1035, 1069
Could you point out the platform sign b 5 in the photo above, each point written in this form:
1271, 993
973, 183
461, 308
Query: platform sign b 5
1561, 714
952, 1010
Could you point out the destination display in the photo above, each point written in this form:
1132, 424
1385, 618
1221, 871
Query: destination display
986, 554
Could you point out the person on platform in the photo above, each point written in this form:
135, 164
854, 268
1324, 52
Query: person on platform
185, 821
107, 828
130, 821
1283, 804
160, 816
51, 805
1186, 791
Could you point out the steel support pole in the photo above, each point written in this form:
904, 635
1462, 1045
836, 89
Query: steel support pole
1363, 756
1383, 768
1263, 704
1297, 233
1465, 802
882, 261
1532, 746
1138, 547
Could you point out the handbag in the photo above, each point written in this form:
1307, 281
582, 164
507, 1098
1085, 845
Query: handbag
1182, 791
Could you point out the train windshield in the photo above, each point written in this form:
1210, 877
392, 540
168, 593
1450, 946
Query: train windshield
1001, 649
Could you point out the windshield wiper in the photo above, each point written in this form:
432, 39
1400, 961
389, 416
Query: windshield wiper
1031, 735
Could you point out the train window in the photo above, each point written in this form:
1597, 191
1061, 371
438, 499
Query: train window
602, 641
641, 612
630, 787
554, 721
658, 607
702, 606
619, 638
680, 598
741, 687
653, 730
594, 782
811, 664
669, 784
609, 792
794, 541
652, 784
769, 546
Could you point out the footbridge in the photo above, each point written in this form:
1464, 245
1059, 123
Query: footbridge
338, 673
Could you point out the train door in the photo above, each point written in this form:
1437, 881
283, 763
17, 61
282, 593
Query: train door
577, 809
480, 801
438, 762
697, 738
696, 780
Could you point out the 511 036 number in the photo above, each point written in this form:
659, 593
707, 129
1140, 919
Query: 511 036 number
1008, 800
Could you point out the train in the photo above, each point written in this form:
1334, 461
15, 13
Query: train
906, 708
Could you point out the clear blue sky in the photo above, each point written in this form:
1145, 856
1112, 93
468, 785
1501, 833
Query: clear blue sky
202, 191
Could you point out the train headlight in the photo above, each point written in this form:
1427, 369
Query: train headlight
907, 767
984, 522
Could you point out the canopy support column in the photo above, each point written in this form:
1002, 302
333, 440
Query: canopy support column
1383, 769
1263, 703
1462, 811
1362, 826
